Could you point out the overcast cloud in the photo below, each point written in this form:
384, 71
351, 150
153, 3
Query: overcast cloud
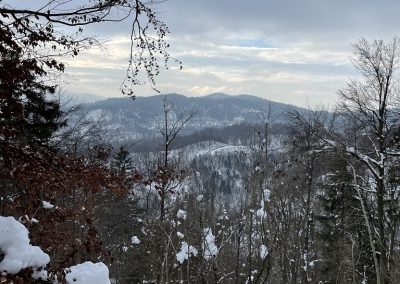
288, 51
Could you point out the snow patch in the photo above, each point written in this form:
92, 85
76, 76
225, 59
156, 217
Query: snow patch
47, 205
181, 214
209, 247
263, 251
135, 240
88, 273
18, 253
186, 251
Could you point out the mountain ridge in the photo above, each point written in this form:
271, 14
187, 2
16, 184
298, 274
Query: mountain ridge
143, 116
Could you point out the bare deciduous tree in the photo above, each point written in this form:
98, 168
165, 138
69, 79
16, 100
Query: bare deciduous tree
372, 104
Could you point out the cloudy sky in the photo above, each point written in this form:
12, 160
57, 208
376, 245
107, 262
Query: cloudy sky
293, 51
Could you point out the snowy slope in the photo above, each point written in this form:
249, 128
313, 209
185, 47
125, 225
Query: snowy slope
143, 116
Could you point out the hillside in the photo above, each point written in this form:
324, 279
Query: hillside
143, 116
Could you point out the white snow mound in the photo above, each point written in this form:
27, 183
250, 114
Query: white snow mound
88, 273
14, 245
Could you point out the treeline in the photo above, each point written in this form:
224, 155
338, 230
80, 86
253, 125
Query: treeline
237, 134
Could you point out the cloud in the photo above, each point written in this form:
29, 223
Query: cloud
289, 51
206, 90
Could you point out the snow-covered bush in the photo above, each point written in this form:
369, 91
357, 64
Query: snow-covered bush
18, 253
88, 273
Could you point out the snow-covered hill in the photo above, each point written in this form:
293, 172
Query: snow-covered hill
143, 117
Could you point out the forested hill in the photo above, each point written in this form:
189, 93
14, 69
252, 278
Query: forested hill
144, 115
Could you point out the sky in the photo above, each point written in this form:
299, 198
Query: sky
295, 51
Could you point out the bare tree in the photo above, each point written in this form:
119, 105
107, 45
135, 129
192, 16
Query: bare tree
372, 105
171, 126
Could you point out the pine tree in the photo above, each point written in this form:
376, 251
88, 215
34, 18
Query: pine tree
341, 232
25, 113
122, 163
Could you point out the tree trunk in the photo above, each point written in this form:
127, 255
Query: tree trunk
381, 228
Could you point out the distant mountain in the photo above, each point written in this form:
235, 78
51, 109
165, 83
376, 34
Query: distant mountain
217, 96
83, 98
143, 116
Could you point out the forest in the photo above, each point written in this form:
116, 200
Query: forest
313, 199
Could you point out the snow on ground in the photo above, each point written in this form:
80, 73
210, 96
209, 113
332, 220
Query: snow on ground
18, 253
186, 251
209, 247
88, 273
210, 148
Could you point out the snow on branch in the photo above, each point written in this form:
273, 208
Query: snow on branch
209, 247
370, 162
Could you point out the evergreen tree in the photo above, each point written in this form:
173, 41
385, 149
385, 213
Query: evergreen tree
122, 163
341, 231
25, 113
